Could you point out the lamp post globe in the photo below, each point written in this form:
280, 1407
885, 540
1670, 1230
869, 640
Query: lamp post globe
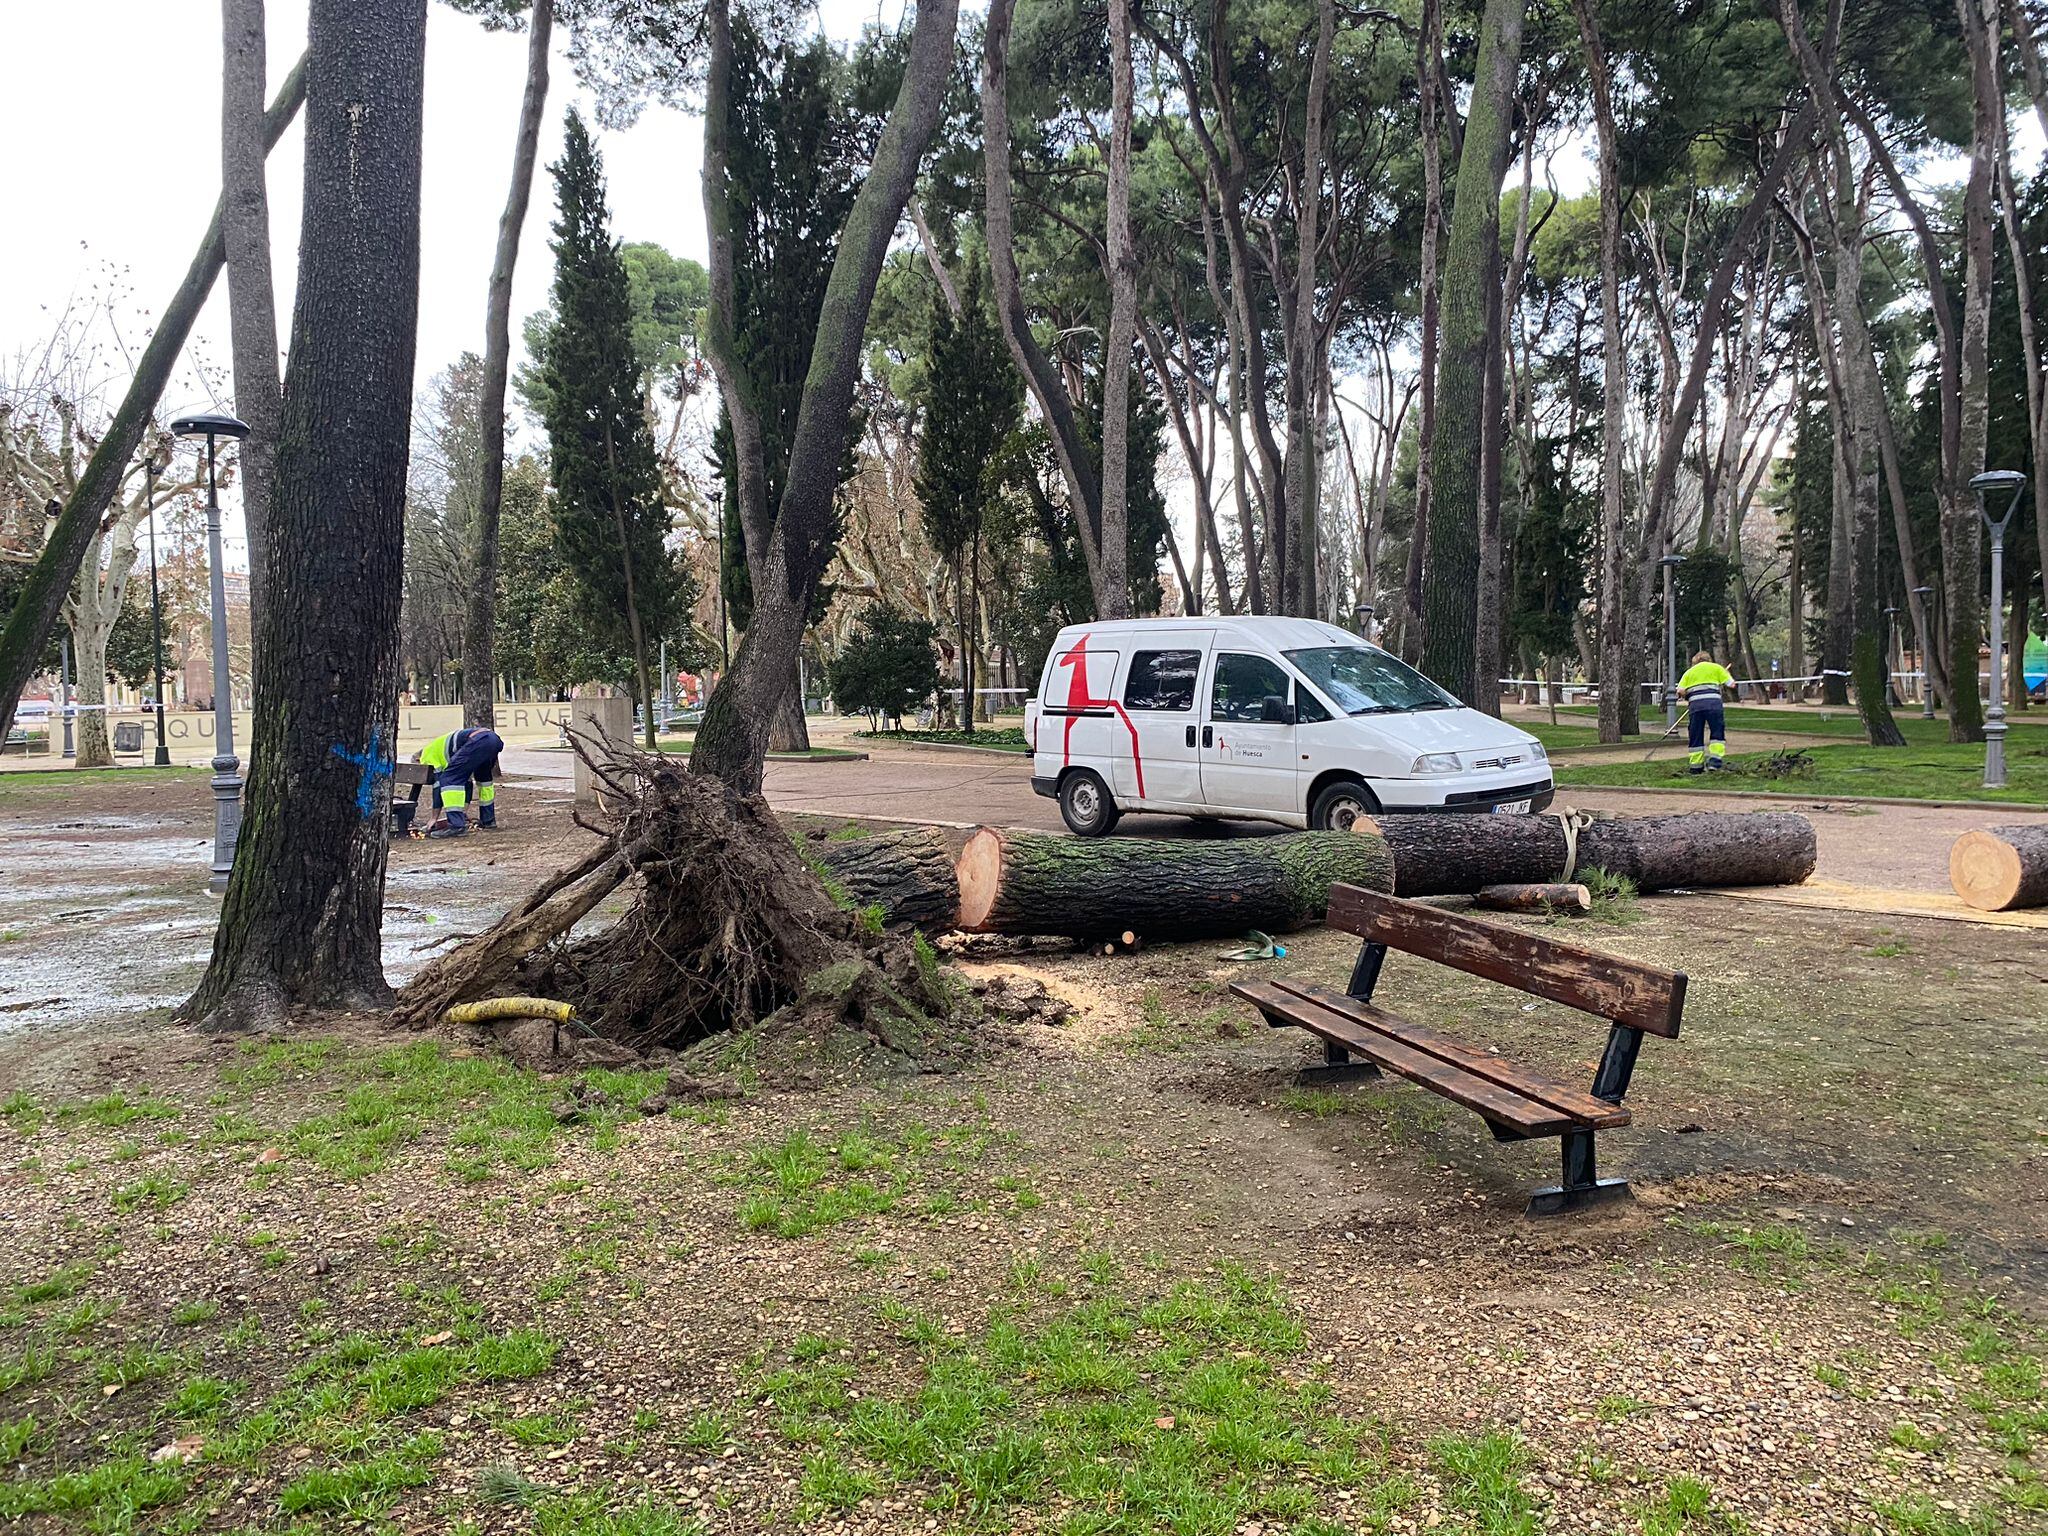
1989, 486
227, 779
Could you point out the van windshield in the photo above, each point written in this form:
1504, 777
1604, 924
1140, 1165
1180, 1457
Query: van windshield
1368, 682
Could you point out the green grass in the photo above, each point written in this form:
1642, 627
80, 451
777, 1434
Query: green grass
999, 738
1484, 1478
1916, 772
1687, 1506
1189, 1409
681, 744
1842, 721
804, 1184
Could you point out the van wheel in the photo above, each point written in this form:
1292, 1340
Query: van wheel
1341, 806
1085, 805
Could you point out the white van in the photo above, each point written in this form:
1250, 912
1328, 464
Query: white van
1274, 719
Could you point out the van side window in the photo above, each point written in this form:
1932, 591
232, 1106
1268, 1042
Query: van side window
1162, 680
1242, 685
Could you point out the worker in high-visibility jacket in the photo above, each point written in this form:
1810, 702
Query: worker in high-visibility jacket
1706, 725
459, 759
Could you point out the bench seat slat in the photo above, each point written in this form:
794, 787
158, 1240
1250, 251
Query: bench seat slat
1503, 1106
1596, 1114
1644, 997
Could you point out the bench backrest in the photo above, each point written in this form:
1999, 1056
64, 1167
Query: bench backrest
1644, 997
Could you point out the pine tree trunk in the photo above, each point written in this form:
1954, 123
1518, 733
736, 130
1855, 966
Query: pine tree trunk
1112, 560
41, 598
1426, 57
1471, 267
2001, 869
734, 737
480, 628
252, 297
1962, 529
909, 875
1457, 855
1030, 883
300, 923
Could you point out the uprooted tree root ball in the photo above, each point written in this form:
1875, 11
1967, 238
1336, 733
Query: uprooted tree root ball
729, 929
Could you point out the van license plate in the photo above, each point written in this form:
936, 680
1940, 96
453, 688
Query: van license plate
1512, 808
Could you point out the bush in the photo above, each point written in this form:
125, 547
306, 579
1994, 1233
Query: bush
887, 668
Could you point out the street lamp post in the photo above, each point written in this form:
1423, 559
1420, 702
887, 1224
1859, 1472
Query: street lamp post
1986, 486
227, 777
1363, 614
1920, 644
1671, 563
150, 469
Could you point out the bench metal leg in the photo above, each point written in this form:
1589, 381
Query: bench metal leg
1581, 1185
1336, 1067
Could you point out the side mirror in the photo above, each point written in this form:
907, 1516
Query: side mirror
1276, 711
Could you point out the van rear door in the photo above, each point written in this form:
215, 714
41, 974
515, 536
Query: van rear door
1077, 709
1157, 760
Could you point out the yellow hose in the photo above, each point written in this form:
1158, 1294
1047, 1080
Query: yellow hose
509, 1008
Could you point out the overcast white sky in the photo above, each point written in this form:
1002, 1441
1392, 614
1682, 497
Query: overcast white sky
112, 111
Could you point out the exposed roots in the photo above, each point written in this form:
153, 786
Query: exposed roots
729, 925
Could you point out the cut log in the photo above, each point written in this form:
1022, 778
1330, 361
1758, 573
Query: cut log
1156, 889
908, 874
1456, 855
2001, 868
1549, 897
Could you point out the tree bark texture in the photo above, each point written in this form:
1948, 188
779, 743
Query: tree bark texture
42, 595
2001, 868
252, 295
1427, 52
909, 875
480, 628
1028, 883
1471, 267
734, 739
1305, 373
1456, 855
1084, 487
1962, 530
1112, 557
300, 924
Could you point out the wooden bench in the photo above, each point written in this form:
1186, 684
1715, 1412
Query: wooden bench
404, 803
1517, 1102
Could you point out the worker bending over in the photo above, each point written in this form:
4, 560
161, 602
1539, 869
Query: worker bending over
1706, 724
459, 759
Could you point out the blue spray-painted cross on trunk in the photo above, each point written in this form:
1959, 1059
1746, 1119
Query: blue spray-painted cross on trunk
376, 767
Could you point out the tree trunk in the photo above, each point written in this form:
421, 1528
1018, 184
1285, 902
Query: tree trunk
2001, 868
479, 639
42, 595
1029, 883
1112, 580
94, 747
1471, 270
1427, 53
252, 297
1306, 370
300, 924
909, 875
734, 738
1076, 465
1617, 695
1962, 531
1457, 855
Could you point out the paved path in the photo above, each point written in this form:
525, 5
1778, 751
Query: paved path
1890, 847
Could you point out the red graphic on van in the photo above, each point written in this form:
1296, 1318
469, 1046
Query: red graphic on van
1078, 698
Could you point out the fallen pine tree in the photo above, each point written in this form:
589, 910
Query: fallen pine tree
1457, 855
1159, 888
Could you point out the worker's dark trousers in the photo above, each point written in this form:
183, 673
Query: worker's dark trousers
1703, 721
476, 758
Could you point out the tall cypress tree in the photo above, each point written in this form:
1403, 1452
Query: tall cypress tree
610, 521
974, 401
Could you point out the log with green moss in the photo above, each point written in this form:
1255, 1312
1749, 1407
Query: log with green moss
908, 874
1086, 888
